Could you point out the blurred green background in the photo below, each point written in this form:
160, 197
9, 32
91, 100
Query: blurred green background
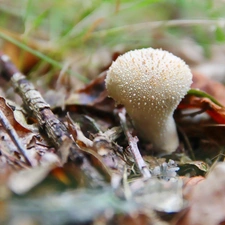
84, 34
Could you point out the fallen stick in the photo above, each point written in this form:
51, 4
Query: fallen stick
40, 110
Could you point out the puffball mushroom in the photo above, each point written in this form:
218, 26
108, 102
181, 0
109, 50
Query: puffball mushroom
150, 83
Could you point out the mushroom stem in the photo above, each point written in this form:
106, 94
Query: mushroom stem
162, 135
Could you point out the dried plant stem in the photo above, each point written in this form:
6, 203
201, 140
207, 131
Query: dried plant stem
133, 146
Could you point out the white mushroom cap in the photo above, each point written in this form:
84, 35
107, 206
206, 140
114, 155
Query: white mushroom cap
150, 83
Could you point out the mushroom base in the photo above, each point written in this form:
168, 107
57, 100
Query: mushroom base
162, 133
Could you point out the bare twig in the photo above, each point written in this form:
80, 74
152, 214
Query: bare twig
133, 146
13, 159
187, 142
56, 131
13, 135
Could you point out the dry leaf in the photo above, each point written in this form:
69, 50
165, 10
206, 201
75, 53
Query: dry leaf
23, 181
207, 200
215, 111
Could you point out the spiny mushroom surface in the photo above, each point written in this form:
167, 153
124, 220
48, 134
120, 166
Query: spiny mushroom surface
150, 83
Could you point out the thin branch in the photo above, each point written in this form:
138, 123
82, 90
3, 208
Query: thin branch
133, 146
14, 136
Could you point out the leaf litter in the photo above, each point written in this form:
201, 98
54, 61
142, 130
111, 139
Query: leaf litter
171, 190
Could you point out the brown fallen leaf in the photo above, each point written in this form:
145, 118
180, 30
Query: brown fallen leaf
23, 59
190, 183
93, 94
10, 116
207, 200
14, 136
216, 112
135, 219
23, 181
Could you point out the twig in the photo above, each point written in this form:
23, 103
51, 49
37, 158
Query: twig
133, 146
13, 159
15, 138
187, 142
56, 131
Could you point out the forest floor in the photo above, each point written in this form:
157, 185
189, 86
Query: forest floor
69, 154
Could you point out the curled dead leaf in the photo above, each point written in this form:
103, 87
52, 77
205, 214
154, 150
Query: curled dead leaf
216, 112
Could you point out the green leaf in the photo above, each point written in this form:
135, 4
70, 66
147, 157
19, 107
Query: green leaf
203, 94
220, 34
